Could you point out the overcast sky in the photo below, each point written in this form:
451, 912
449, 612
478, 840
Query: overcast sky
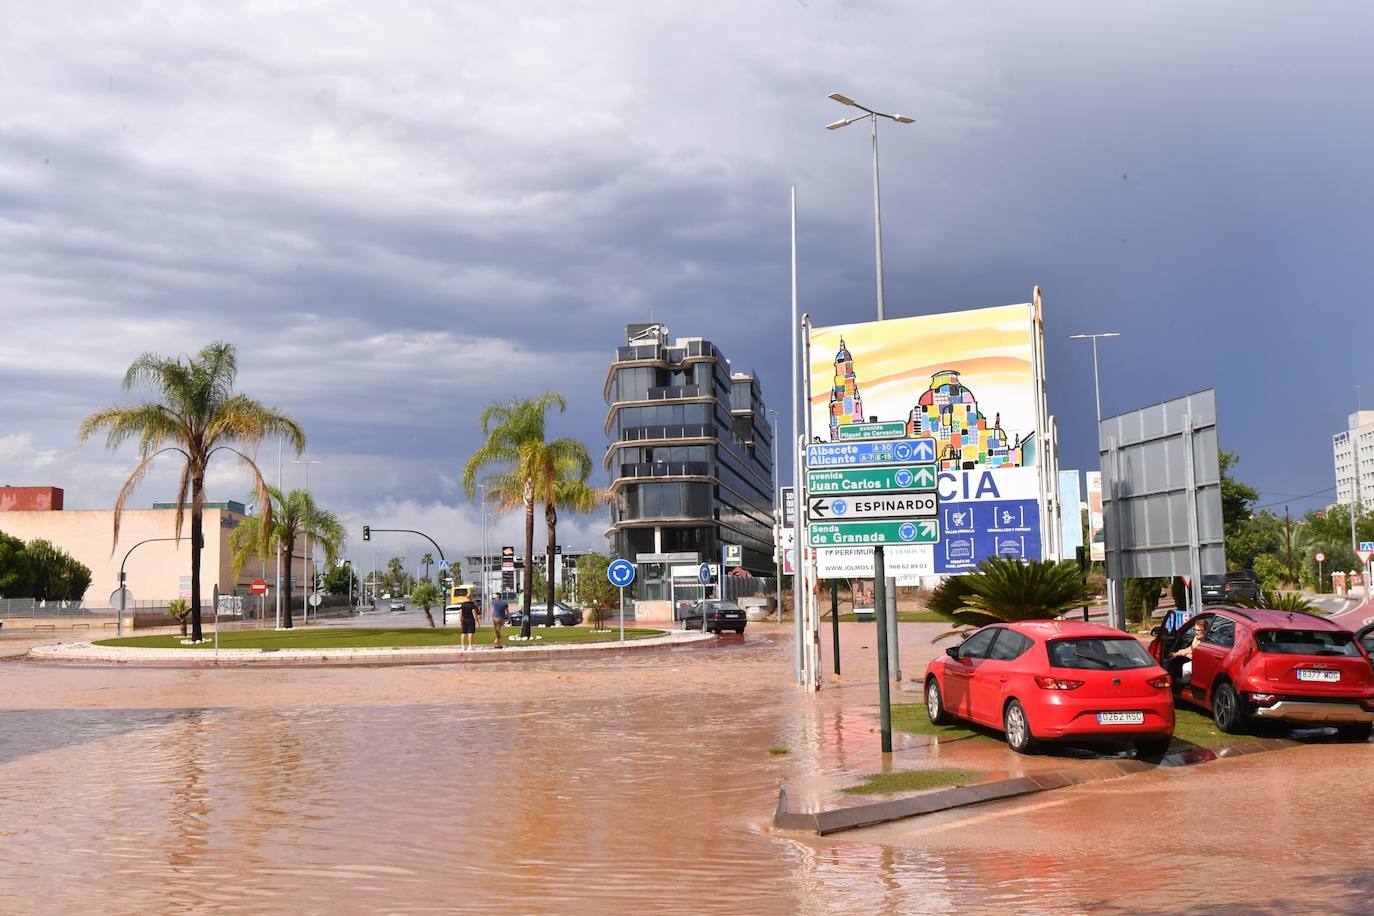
400, 212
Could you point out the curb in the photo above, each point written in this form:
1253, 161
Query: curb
89, 653
835, 820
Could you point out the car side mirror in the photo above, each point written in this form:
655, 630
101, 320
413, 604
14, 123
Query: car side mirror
1157, 632
952, 651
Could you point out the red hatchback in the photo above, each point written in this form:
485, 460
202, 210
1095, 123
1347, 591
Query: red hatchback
1053, 679
1297, 667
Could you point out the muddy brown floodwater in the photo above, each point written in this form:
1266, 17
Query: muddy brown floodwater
631, 784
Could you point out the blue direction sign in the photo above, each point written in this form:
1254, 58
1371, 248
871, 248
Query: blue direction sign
870, 453
620, 573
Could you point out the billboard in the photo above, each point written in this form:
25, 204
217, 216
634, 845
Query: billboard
970, 381
1097, 551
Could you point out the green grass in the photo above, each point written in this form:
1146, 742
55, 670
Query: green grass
912, 718
777, 750
1196, 728
910, 781
902, 617
371, 638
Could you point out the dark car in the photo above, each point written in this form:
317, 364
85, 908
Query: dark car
1234, 586
564, 615
717, 616
1266, 664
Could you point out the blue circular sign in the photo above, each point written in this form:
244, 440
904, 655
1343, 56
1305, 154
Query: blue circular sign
620, 573
839, 507
903, 477
704, 574
902, 451
907, 532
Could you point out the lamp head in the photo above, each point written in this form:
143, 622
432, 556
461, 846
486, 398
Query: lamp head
842, 99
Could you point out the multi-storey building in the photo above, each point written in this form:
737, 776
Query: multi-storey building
1353, 450
690, 457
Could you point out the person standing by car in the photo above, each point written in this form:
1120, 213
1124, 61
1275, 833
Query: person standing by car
468, 622
500, 613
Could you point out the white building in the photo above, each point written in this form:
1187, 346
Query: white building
1354, 455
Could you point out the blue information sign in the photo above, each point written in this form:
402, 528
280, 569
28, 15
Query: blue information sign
620, 573
704, 574
870, 453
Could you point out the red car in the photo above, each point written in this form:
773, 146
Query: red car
1053, 679
1271, 665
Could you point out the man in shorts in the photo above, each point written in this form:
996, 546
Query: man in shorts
468, 610
500, 613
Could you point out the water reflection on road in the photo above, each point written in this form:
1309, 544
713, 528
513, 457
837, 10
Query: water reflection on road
643, 783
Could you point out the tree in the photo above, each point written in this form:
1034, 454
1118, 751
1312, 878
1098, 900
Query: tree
566, 467
340, 580
1328, 531
197, 414
594, 590
512, 457
396, 573
1005, 590
1142, 597
1237, 500
179, 608
426, 595
1270, 572
286, 518
16, 573
55, 574
427, 560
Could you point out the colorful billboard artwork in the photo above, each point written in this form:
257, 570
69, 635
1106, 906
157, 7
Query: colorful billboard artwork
1071, 514
987, 513
1098, 551
965, 379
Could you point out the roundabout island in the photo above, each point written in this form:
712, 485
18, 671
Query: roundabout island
362, 644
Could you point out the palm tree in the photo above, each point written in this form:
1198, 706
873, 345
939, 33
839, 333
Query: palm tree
293, 515
396, 570
1005, 590
566, 468
1275, 600
196, 415
514, 453
427, 560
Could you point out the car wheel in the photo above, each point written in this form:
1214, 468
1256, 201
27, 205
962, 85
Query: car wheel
1017, 728
1357, 731
739, 631
1153, 747
935, 704
1227, 710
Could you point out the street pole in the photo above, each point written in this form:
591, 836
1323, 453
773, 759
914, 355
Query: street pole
309, 544
485, 598
799, 548
778, 514
835, 620
1115, 616
884, 698
278, 551
622, 614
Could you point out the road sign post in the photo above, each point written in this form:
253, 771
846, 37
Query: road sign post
896, 479
621, 573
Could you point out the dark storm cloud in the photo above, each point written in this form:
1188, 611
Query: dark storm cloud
400, 217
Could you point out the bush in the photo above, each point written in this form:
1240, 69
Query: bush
180, 609
1270, 571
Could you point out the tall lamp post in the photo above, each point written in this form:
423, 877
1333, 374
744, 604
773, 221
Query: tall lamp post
887, 585
486, 599
309, 545
1112, 610
777, 501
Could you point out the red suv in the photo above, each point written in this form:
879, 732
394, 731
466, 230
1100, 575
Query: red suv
1284, 665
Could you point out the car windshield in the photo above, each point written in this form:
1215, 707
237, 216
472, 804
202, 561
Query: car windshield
1103, 653
1306, 642
721, 606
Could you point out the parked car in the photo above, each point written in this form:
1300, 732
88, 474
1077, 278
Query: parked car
1236, 585
397, 604
1284, 665
564, 615
716, 615
1046, 680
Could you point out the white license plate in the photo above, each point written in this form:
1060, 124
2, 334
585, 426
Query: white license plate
1316, 674
1121, 718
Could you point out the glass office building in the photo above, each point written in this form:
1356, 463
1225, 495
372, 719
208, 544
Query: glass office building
690, 456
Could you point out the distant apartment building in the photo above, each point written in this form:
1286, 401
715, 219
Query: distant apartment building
158, 570
1353, 450
690, 456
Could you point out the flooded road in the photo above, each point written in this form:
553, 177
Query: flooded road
641, 782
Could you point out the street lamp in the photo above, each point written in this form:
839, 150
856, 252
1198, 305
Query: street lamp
1097, 387
872, 115
309, 545
777, 497
889, 653
485, 598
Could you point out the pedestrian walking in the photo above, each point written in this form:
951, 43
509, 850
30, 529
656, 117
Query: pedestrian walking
500, 613
468, 620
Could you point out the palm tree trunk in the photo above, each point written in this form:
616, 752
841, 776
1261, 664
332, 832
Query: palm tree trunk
288, 547
529, 563
197, 541
550, 519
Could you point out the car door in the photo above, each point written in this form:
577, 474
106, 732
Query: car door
1209, 656
1365, 639
962, 667
989, 684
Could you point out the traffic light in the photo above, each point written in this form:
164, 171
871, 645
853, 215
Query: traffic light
367, 532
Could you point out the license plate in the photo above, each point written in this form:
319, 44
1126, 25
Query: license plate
1121, 718
1316, 674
